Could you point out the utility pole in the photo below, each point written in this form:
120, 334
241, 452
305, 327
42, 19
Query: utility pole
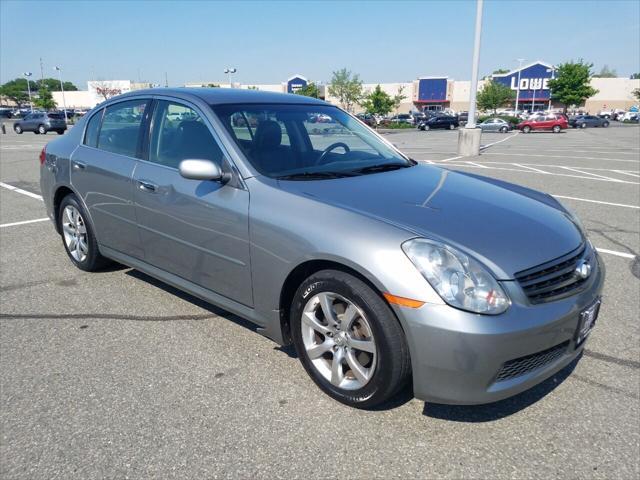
41, 73
166, 80
64, 103
469, 136
28, 76
520, 60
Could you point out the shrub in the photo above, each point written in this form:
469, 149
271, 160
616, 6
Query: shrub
506, 118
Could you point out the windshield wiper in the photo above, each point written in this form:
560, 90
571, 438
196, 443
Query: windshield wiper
383, 167
314, 175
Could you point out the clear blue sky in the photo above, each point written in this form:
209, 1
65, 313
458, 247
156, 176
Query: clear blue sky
383, 41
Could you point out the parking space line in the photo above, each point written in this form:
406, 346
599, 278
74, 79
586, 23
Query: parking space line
452, 158
597, 201
530, 168
617, 254
484, 147
623, 172
19, 190
566, 156
14, 224
588, 173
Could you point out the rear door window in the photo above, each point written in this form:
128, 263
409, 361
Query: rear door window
93, 127
121, 127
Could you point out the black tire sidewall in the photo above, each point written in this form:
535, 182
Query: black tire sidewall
386, 380
94, 260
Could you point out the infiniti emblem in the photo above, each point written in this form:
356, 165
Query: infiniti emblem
583, 269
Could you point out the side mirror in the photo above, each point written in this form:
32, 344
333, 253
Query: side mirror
202, 170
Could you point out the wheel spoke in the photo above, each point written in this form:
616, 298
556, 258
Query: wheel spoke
82, 245
326, 303
360, 372
348, 317
73, 243
69, 214
362, 345
310, 319
320, 349
337, 375
68, 229
82, 229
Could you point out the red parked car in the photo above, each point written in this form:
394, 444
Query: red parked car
555, 123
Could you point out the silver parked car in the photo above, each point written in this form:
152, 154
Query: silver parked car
41, 123
495, 125
378, 269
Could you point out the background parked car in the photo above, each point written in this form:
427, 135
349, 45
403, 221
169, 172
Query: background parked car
439, 121
41, 122
584, 121
402, 118
368, 118
555, 123
495, 125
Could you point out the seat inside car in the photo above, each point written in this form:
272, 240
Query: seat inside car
195, 141
267, 149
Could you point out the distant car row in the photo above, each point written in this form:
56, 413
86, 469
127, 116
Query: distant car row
23, 112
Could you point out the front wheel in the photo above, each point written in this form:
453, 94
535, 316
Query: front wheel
78, 237
526, 129
42, 130
583, 125
605, 124
504, 130
17, 129
348, 339
426, 127
452, 126
556, 129
60, 132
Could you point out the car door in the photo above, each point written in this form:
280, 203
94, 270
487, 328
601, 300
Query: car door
102, 169
195, 229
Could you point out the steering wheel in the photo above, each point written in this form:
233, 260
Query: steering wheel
331, 147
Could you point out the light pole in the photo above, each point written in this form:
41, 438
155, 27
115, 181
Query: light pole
520, 60
229, 71
471, 122
27, 75
552, 72
64, 103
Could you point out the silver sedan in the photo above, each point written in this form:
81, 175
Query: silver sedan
495, 125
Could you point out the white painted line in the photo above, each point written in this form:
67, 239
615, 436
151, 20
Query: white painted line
530, 168
19, 190
5, 225
617, 254
617, 152
565, 156
593, 174
597, 201
623, 172
484, 147
451, 158
476, 164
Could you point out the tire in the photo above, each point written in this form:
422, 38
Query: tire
89, 259
504, 129
60, 132
17, 129
42, 130
526, 129
387, 365
426, 127
583, 125
452, 126
605, 124
556, 129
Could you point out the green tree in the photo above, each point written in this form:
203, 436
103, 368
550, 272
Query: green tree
45, 100
500, 71
346, 87
16, 90
378, 102
398, 97
572, 83
494, 95
309, 90
606, 72
636, 93
53, 85
635, 76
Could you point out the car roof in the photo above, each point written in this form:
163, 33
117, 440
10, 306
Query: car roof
222, 96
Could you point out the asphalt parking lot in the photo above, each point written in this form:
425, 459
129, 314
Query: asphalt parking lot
116, 375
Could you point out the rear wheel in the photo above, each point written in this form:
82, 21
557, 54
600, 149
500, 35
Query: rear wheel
78, 237
556, 129
60, 132
526, 129
504, 129
605, 124
426, 127
17, 129
452, 126
348, 339
583, 125
42, 130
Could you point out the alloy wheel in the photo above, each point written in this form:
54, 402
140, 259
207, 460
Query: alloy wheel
74, 230
339, 340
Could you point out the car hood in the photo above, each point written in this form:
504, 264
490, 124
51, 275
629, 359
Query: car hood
507, 227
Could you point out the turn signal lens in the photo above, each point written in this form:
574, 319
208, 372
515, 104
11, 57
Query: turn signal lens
403, 302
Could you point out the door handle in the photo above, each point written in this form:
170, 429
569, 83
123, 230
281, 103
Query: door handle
147, 186
78, 165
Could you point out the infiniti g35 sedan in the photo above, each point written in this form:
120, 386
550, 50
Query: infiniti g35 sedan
379, 270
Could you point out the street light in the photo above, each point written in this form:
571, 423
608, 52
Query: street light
27, 75
520, 60
64, 103
471, 119
229, 71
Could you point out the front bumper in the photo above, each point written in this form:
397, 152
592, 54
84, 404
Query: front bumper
456, 356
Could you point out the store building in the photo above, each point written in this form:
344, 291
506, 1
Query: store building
531, 85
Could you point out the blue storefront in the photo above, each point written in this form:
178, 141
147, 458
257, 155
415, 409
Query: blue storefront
532, 83
295, 83
432, 93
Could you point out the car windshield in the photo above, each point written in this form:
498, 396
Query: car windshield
304, 142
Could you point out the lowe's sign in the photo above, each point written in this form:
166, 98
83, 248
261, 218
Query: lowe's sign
533, 78
295, 83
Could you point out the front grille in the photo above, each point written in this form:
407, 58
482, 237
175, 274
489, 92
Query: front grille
555, 279
529, 363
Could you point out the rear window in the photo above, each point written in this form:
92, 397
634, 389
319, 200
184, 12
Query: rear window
120, 130
56, 116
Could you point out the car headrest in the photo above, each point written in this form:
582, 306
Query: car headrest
268, 134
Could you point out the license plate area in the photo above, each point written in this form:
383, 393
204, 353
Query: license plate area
587, 321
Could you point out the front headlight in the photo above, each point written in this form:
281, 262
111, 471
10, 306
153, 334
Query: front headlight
460, 280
